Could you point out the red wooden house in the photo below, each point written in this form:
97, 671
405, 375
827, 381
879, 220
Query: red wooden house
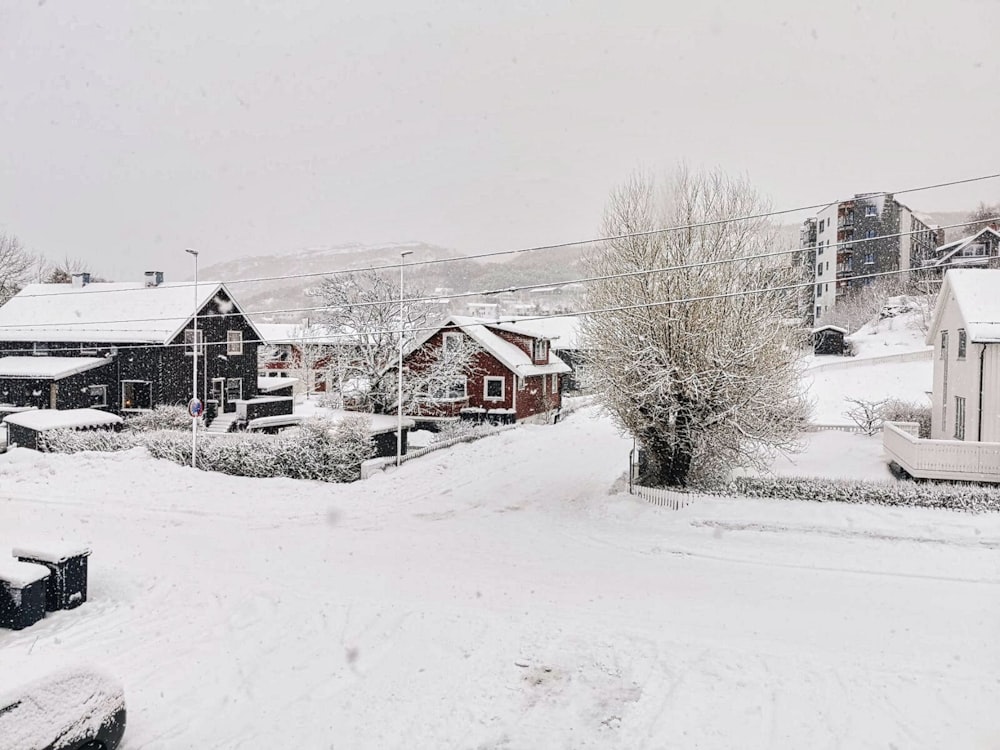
515, 373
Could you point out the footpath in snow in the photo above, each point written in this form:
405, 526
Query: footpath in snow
503, 594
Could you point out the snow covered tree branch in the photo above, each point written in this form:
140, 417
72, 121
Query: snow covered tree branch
708, 384
365, 307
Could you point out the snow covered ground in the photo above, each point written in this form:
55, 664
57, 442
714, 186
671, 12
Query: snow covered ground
502, 595
829, 388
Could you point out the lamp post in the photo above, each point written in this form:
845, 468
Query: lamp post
194, 362
399, 396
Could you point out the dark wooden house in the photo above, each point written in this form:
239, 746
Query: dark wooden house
515, 374
125, 347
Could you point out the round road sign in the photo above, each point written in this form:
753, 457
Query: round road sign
195, 407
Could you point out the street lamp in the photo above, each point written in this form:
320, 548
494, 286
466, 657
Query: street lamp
194, 363
399, 399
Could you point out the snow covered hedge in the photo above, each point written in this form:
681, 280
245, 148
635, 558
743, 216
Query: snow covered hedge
313, 451
160, 418
972, 498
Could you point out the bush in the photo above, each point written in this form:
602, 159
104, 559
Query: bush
316, 450
895, 410
963, 497
160, 418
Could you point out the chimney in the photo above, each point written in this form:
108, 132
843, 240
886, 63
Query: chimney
80, 280
153, 278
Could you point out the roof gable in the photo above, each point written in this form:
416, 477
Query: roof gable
976, 293
953, 248
113, 312
509, 355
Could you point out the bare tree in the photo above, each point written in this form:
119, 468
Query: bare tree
15, 266
702, 373
364, 309
62, 272
979, 218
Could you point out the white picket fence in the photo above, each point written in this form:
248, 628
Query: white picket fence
837, 427
663, 498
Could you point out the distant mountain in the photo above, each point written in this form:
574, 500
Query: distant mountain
271, 298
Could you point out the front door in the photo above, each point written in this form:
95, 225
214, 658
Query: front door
234, 392
219, 393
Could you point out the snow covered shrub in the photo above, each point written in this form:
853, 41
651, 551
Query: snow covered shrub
160, 418
75, 441
316, 450
897, 410
971, 498
868, 415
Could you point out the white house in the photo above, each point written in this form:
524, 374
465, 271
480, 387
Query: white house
965, 421
965, 330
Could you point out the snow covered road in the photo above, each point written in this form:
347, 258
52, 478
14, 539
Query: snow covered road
498, 595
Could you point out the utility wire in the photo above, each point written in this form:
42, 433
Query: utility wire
573, 243
505, 290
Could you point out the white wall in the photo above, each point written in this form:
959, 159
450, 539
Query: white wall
828, 277
962, 380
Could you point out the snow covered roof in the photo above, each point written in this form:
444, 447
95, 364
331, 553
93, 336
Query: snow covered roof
838, 329
562, 331
266, 385
511, 356
52, 419
297, 333
945, 252
48, 368
976, 292
108, 312
21, 574
51, 550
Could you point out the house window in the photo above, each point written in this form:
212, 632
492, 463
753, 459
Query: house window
41, 349
540, 350
818, 311
959, 418
819, 269
137, 395
451, 342
828, 265
520, 382
819, 249
234, 389
961, 343
192, 338
944, 345
871, 211
555, 383
869, 234
869, 259
493, 389
97, 395
819, 290
234, 342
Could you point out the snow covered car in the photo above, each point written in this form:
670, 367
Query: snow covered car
70, 709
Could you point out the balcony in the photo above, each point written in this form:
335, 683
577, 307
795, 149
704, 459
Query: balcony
845, 222
951, 460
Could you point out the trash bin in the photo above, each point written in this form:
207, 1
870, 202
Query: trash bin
67, 563
22, 594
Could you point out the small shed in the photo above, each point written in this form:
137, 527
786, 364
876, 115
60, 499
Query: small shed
24, 428
829, 339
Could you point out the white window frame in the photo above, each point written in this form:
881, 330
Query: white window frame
520, 382
192, 342
450, 336
871, 210
93, 390
234, 342
486, 388
540, 345
555, 383
962, 343
147, 382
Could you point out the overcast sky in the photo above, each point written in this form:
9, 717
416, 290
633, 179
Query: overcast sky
131, 129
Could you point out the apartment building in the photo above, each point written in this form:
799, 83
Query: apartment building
847, 242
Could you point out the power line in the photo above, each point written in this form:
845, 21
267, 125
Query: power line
521, 288
573, 243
